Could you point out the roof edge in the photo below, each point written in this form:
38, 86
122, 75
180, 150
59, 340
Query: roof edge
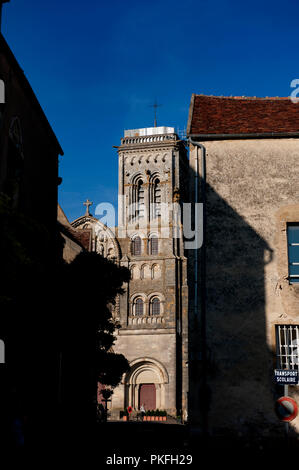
274, 98
190, 114
265, 135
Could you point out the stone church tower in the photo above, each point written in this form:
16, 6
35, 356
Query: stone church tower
153, 312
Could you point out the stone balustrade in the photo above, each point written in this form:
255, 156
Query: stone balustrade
148, 139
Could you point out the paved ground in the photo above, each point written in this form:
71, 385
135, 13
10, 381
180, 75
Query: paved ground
153, 438
109, 443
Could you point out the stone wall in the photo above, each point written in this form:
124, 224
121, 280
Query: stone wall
155, 348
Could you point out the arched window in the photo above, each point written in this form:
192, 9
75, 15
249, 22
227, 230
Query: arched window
146, 272
135, 272
136, 246
138, 307
153, 245
156, 271
157, 197
155, 306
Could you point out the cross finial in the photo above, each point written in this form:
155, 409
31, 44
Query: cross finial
87, 203
155, 106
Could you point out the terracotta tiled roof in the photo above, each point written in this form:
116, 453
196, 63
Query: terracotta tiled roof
242, 115
82, 237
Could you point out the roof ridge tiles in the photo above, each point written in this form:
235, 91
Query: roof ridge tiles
237, 115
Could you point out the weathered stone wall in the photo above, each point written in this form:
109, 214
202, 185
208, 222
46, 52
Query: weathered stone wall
148, 345
252, 190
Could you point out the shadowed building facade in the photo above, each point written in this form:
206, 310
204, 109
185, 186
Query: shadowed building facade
153, 312
246, 151
30, 250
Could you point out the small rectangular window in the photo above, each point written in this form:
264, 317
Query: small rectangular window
287, 343
293, 252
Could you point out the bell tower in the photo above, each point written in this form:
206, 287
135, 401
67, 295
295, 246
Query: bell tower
152, 175
153, 312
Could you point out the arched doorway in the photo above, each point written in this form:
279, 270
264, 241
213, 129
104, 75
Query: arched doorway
145, 384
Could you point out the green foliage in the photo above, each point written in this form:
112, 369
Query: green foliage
110, 367
90, 285
57, 308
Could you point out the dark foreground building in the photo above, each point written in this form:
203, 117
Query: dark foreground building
30, 248
246, 312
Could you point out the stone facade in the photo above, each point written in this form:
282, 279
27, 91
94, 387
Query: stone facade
153, 171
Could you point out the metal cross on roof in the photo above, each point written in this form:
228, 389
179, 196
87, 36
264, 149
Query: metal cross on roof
87, 203
155, 106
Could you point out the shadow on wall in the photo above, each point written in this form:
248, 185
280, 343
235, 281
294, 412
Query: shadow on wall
240, 392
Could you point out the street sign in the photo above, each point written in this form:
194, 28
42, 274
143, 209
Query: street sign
286, 409
286, 376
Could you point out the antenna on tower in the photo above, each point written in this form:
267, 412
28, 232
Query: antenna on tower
155, 106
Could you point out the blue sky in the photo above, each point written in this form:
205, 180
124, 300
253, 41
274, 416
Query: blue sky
96, 67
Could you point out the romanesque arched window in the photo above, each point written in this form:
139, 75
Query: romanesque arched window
140, 199
155, 306
157, 197
136, 246
138, 306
